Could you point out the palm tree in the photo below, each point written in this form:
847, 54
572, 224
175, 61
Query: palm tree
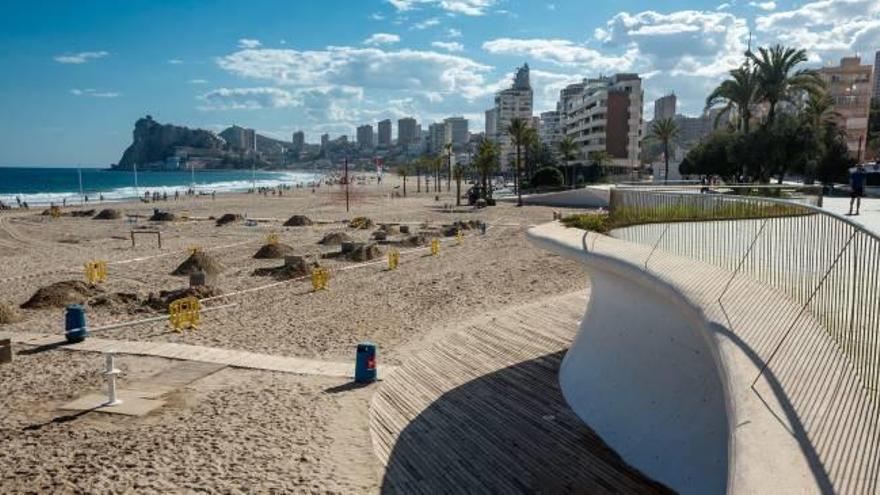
403, 171
437, 164
738, 93
568, 149
530, 145
448, 148
777, 81
819, 110
665, 131
518, 135
486, 162
458, 172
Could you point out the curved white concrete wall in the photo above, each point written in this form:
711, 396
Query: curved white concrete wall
645, 374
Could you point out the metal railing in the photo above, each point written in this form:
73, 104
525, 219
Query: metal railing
823, 265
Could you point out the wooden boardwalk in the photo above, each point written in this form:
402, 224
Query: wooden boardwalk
482, 412
214, 355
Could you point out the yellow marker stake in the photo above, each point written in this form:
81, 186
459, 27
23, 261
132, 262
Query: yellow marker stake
184, 313
96, 272
393, 259
320, 278
195, 249
272, 239
459, 237
435, 246
55, 211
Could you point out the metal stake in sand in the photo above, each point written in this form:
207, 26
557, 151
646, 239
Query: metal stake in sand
110, 372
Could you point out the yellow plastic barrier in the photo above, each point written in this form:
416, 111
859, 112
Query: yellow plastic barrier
393, 259
55, 211
435, 246
184, 313
194, 249
272, 239
96, 272
320, 278
459, 237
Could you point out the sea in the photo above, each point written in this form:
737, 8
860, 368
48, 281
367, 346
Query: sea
42, 185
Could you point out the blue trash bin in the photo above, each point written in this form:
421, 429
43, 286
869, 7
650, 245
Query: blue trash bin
75, 323
365, 364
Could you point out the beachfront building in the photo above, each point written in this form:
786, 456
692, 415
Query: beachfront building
514, 102
851, 86
385, 133
298, 141
664, 107
436, 137
491, 124
605, 114
407, 131
325, 140
877, 75
550, 129
456, 132
365, 136
241, 138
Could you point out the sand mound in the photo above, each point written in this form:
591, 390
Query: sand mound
82, 213
8, 314
163, 216
108, 214
199, 262
293, 267
361, 223
335, 238
274, 251
61, 294
228, 218
161, 301
413, 241
364, 252
298, 221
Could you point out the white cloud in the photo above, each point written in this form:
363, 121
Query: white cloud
248, 99
465, 7
249, 43
766, 6
93, 93
433, 21
175, 61
453, 33
198, 81
80, 58
450, 46
382, 39
562, 52
376, 16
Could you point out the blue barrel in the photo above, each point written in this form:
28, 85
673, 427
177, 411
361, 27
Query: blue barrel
365, 364
75, 323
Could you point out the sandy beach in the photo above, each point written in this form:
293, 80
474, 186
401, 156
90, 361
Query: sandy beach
234, 429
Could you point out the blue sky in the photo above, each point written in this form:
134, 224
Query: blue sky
78, 74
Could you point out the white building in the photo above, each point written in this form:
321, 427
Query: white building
436, 137
456, 132
491, 124
550, 129
515, 102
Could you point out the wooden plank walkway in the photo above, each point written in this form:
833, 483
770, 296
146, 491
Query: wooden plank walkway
227, 357
482, 412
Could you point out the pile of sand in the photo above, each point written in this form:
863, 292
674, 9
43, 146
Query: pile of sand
199, 262
161, 301
298, 221
273, 251
8, 314
119, 301
356, 251
335, 238
451, 230
361, 223
108, 214
293, 267
413, 241
228, 218
82, 213
390, 229
61, 294
163, 216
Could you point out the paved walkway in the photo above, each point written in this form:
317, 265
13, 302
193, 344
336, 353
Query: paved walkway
482, 412
869, 216
228, 357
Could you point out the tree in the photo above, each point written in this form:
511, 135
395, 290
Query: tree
486, 162
737, 93
569, 149
458, 173
518, 135
531, 145
599, 159
448, 148
547, 177
777, 79
403, 171
665, 131
437, 165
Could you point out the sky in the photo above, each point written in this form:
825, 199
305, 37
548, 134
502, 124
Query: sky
77, 74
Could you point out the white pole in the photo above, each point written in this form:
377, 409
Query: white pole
111, 372
136, 190
82, 197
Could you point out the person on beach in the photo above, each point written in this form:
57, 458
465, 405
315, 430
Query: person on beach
857, 184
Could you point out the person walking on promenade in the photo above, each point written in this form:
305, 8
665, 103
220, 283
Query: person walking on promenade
857, 184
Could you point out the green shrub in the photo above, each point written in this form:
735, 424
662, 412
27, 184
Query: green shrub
592, 222
547, 177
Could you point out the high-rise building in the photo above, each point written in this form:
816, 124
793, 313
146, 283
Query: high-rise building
664, 107
299, 141
850, 87
436, 137
877, 75
491, 123
605, 114
365, 136
515, 102
456, 132
550, 129
406, 131
325, 140
240, 138
385, 133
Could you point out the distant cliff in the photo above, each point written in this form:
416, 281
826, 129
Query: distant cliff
154, 142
